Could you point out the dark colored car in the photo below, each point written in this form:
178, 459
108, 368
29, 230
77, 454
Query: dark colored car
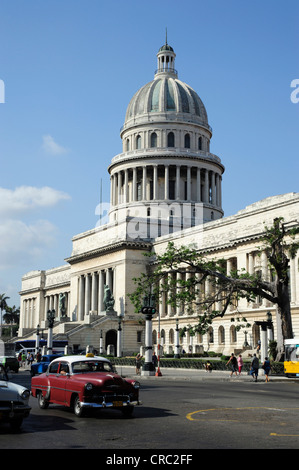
85, 383
42, 365
13, 401
10, 363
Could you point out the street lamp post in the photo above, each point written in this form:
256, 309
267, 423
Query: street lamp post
177, 340
159, 373
37, 340
148, 366
101, 342
119, 338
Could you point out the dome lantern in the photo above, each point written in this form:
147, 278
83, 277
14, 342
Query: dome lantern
166, 60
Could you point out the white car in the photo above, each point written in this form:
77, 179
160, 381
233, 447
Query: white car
14, 401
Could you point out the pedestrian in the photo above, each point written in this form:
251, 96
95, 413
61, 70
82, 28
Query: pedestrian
240, 363
20, 359
254, 367
31, 359
154, 360
38, 356
28, 359
138, 363
267, 367
234, 364
23, 359
209, 367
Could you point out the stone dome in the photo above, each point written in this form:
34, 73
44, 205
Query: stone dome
166, 97
167, 94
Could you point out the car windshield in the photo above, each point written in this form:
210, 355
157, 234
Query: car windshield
92, 366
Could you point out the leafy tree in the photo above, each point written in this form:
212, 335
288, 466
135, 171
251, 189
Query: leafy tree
280, 245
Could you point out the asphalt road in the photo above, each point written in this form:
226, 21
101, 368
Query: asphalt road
182, 413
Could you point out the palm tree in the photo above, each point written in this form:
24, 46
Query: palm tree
12, 315
3, 306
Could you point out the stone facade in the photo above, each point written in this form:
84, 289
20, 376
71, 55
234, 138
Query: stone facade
165, 185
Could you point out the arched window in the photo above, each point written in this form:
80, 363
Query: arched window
170, 139
221, 335
127, 145
153, 139
171, 336
187, 141
199, 143
233, 334
138, 142
210, 335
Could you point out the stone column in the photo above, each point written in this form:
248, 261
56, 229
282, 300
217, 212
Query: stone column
213, 188
178, 183
94, 292
81, 298
87, 303
155, 183
134, 192
206, 186
119, 178
188, 183
126, 187
144, 183
166, 183
100, 292
198, 185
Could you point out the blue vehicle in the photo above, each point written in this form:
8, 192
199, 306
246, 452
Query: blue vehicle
42, 365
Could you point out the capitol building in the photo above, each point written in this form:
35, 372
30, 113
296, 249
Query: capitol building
165, 185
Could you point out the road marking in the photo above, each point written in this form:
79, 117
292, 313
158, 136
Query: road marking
190, 417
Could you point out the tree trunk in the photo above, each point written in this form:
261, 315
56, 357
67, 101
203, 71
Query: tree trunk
283, 317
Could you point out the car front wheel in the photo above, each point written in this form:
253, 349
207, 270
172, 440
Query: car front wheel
78, 408
42, 402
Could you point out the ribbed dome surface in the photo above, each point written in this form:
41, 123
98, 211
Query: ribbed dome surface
167, 95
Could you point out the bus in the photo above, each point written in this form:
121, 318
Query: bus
291, 360
30, 344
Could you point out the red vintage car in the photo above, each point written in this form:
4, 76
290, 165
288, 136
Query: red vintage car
85, 382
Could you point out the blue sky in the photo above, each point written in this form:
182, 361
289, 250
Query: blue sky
70, 68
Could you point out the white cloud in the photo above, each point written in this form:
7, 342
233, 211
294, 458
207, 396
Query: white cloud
51, 147
23, 244
27, 198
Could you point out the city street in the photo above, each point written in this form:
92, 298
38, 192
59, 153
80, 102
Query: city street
203, 411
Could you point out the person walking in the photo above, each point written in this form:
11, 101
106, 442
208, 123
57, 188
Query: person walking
254, 367
234, 364
154, 360
240, 363
138, 363
267, 367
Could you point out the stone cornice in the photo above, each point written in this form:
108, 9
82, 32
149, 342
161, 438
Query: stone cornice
121, 245
163, 154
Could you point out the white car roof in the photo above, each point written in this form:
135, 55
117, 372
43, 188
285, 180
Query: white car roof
71, 359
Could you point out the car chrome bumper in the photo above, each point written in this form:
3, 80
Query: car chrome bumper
12, 410
110, 404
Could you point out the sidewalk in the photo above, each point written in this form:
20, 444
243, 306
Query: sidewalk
200, 375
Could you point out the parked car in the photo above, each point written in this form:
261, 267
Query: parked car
83, 383
10, 363
42, 365
14, 401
